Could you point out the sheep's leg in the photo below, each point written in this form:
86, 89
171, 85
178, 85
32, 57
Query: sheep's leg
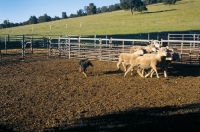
152, 74
138, 71
124, 65
152, 70
131, 72
130, 68
142, 72
119, 62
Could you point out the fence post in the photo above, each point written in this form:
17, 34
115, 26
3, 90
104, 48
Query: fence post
161, 43
6, 45
23, 46
168, 39
50, 47
100, 49
106, 41
110, 43
69, 46
123, 46
194, 40
31, 45
79, 45
59, 47
0, 54
95, 41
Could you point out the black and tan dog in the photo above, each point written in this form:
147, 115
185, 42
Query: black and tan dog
83, 66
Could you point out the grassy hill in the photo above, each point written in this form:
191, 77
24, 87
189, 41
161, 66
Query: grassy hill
184, 16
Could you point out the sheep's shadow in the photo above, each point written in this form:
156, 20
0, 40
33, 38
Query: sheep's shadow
114, 72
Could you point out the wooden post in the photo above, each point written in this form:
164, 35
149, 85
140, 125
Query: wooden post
181, 47
31, 45
50, 47
194, 40
168, 39
23, 47
95, 44
59, 47
79, 45
123, 46
110, 43
0, 54
6, 45
106, 41
69, 47
100, 49
161, 43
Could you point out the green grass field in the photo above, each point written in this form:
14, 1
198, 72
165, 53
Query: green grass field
184, 16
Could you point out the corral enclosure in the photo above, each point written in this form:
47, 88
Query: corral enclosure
44, 91
105, 48
52, 95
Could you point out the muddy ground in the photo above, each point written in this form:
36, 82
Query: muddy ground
50, 94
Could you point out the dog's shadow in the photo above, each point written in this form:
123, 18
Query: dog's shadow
114, 72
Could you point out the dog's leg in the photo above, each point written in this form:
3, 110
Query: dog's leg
84, 74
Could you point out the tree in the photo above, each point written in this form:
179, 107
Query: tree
72, 15
111, 8
133, 5
44, 18
64, 15
55, 18
32, 20
104, 9
117, 7
91, 9
169, 2
80, 13
6, 23
98, 10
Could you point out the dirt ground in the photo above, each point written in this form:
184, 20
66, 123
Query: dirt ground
51, 95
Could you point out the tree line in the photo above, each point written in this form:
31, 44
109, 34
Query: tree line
132, 5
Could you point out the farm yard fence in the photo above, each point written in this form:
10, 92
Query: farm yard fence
188, 45
13, 47
93, 48
105, 49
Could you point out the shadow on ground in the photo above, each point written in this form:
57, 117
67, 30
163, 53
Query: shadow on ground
169, 118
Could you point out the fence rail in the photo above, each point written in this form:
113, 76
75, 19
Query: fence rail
104, 49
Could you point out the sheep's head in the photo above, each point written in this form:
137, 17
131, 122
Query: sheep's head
162, 51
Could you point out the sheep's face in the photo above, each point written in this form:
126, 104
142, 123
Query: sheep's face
162, 52
156, 44
154, 49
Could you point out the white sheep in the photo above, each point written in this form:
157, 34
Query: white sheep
147, 49
166, 60
146, 62
127, 58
